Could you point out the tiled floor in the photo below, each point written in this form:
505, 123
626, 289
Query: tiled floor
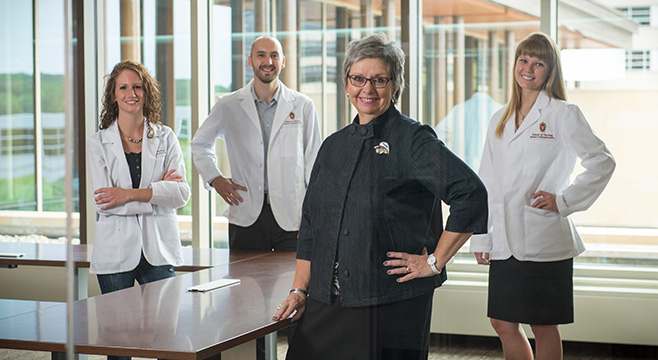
447, 348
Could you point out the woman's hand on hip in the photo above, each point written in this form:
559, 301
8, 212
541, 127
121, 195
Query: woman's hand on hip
545, 201
411, 266
295, 304
482, 258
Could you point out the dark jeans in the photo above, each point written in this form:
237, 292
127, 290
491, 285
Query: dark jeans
143, 273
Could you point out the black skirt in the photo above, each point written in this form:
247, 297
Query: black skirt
529, 292
396, 331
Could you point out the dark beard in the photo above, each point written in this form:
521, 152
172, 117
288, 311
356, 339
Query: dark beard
264, 79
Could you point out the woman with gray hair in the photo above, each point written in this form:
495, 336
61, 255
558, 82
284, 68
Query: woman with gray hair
371, 245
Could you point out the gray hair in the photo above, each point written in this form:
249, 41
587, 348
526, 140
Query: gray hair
378, 46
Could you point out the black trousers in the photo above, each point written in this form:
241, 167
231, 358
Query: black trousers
265, 234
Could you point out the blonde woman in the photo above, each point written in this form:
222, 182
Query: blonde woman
530, 151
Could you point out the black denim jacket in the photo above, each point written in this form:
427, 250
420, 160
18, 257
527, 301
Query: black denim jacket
362, 203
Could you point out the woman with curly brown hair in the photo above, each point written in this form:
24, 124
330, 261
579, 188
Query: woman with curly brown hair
137, 176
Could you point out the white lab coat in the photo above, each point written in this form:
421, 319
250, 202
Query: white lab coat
294, 143
123, 232
540, 155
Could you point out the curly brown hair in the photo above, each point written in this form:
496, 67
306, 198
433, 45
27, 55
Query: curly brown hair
152, 103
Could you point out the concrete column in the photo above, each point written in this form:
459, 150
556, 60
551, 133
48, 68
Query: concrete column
164, 57
494, 65
288, 40
410, 102
388, 17
440, 71
200, 90
508, 66
459, 84
342, 40
130, 30
239, 59
548, 18
367, 17
261, 17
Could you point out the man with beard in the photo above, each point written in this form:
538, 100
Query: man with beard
272, 137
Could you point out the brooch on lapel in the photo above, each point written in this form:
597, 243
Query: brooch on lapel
382, 148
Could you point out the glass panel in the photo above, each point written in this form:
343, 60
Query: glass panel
17, 138
52, 68
163, 37
233, 31
467, 68
610, 77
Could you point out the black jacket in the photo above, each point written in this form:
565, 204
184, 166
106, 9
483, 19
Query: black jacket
360, 204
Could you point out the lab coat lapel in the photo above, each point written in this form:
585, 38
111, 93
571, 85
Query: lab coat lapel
149, 150
247, 102
283, 109
533, 116
113, 137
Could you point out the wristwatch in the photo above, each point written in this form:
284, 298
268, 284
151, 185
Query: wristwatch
431, 261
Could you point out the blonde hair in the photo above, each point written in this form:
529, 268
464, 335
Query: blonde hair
541, 46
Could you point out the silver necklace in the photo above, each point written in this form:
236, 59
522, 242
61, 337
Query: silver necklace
135, 141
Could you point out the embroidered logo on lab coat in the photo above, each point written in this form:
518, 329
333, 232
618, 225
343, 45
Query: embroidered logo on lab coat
161, 152
382, 148
543, 133
292, 120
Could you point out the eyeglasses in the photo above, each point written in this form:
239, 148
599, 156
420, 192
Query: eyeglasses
376, 82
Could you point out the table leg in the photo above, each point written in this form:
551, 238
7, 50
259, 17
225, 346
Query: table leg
81, 278
62, 356
270, 346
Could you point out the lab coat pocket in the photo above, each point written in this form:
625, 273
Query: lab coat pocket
107, 236
544, 232
291, 141
167, 228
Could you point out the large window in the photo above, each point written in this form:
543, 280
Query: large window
32, 120
463, 56
157, 34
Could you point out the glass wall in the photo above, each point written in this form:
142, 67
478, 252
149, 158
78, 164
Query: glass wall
464, 50
17, 137
157, 34
32, 122
616, 91
466, 68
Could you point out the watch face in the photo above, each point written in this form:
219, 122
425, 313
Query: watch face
431, 259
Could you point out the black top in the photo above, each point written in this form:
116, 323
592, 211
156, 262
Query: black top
362, 202
135, 165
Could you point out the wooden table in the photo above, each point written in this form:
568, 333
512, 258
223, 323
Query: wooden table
161, 319
9, 308
48, 254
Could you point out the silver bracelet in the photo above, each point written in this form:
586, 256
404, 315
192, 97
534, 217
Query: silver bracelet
298, 290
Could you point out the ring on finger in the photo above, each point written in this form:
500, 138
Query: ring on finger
408, 270
278, 307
